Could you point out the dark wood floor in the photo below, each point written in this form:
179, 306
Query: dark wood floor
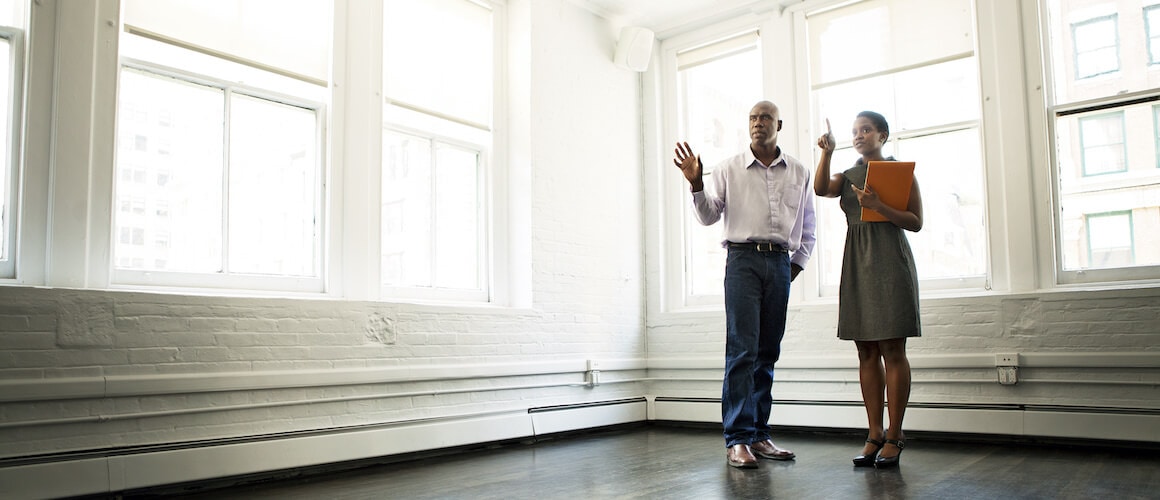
658, 461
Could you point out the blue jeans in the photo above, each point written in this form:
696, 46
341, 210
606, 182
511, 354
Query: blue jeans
756, 296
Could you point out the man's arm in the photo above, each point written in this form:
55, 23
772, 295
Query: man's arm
809, 237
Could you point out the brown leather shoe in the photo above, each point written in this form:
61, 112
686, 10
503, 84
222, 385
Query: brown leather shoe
739, 456
766, 449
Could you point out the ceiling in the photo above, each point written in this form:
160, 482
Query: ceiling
665, 15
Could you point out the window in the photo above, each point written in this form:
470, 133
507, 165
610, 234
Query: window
1109, 240
1156, 133
1096, 47
924, 79
12, 26
437, 142
1101, 139
717, 85
1152, 27
221, 154
1105, 140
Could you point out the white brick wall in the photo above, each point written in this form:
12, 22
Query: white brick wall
587, 302
1074, 344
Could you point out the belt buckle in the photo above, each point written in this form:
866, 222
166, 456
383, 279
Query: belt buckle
765, 247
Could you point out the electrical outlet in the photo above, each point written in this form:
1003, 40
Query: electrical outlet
1008, 375
1006, 360
593, 364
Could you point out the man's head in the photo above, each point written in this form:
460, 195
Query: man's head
764, 124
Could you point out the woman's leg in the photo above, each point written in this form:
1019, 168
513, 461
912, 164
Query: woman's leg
897, 389
872, 379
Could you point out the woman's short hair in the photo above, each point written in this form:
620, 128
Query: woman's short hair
877, 119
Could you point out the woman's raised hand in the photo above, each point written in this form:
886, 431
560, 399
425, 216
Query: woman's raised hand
827, 141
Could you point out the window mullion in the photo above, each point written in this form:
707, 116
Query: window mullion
433, 207
227, 96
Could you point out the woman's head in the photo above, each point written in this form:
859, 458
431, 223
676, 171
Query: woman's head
870, 132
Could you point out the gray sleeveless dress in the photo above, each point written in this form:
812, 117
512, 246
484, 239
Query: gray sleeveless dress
878, 295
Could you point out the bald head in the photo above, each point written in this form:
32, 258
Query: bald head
764, 124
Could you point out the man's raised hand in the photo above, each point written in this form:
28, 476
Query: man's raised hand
690, 165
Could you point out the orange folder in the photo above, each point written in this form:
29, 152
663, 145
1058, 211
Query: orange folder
892, 181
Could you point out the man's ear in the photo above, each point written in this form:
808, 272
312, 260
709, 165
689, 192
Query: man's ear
779, 125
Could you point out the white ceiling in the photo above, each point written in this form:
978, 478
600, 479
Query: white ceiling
662, 15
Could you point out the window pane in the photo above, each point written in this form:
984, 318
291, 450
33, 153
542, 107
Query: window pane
458, 213
1107, 143
1109, 239
865, 38
953, 240
273, 189
919, 98
832, 222
188, 204
270, 32
438, 55
407, 219
12, 13
1102, 142
5, 140
1108, 39
1107, 164
714, 98
705, 257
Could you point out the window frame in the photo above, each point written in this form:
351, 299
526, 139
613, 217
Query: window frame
1040, 68
483, 258
11, 216
493, 244
232, 282
675, 194
899, 135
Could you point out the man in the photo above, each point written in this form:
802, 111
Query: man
765, 197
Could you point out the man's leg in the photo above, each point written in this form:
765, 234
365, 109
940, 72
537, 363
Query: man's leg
774, 300
742, 320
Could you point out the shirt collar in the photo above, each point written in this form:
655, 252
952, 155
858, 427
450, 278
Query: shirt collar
779, 160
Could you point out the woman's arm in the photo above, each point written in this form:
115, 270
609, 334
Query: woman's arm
825, 184
909, 219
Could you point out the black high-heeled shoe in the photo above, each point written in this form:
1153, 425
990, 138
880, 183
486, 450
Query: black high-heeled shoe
887, 462
868, 459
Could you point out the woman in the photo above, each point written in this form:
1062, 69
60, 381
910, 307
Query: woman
878, 296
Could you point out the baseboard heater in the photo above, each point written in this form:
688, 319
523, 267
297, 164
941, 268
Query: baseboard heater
1017, 420
133, 468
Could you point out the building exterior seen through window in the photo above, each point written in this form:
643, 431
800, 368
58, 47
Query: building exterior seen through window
1105, 105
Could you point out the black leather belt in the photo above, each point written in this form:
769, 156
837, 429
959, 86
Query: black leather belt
760, 247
